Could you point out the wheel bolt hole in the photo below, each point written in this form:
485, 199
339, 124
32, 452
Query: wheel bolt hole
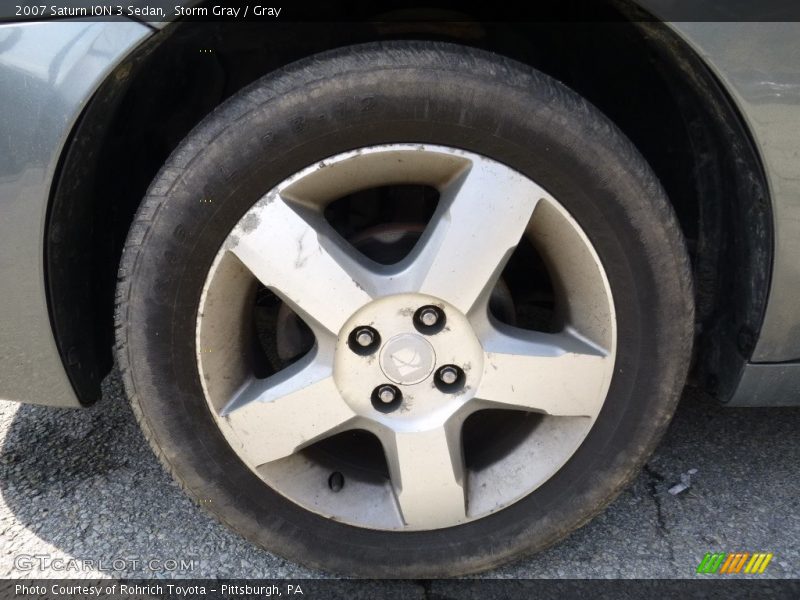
429, 319
364, 340
449, 378
386, 398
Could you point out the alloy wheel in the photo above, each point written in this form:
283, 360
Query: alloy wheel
408, 351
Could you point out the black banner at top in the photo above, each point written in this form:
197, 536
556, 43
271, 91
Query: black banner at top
160, 11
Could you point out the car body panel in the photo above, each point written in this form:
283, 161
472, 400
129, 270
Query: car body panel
48, 72
765, 384
759, 65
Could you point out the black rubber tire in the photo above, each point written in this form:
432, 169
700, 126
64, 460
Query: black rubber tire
419, 93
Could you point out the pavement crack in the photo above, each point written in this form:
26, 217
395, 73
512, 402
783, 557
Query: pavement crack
653, 479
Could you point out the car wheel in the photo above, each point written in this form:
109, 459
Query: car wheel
404, 309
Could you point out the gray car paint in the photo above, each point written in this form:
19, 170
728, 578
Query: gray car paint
768, 384
48, 72
759, 64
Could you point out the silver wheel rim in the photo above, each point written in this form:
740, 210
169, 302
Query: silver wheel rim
484, 210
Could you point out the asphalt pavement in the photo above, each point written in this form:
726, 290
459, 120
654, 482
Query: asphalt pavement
83, 484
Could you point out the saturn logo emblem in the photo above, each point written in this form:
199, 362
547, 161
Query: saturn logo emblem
407, 359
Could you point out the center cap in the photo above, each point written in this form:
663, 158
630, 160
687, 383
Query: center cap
403, 356
407, 359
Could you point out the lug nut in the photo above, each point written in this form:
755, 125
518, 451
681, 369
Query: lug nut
364, 340
386, 394
449, 379
364, 337
386, 398
448, 375
429, 316
429, 319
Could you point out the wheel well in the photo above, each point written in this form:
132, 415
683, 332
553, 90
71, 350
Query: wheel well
640, 74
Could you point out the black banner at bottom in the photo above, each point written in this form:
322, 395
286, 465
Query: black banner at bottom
461, 589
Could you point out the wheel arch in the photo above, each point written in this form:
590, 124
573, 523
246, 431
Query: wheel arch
639, 73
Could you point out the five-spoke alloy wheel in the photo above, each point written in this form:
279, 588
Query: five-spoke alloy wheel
373, 367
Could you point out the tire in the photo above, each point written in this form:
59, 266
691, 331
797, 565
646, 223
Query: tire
401, 93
